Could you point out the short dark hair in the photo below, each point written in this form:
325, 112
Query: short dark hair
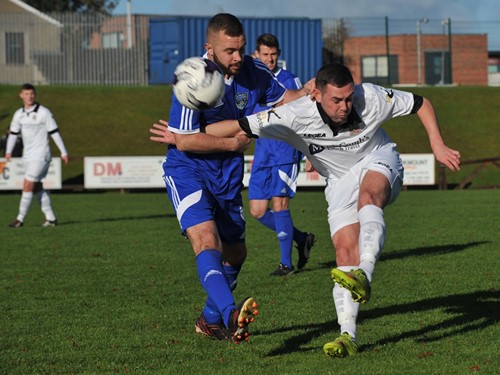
226, 22
27, 86
268, 40
337, 75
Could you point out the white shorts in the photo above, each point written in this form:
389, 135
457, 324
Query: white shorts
36, 171
342, 194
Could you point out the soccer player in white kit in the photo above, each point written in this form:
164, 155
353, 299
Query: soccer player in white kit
34, 123
338, 128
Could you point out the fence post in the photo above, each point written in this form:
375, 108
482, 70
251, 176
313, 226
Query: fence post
442, 177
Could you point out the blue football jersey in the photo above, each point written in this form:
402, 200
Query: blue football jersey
270, 152
223, 171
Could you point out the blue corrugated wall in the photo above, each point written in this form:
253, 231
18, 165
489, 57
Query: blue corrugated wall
300, 42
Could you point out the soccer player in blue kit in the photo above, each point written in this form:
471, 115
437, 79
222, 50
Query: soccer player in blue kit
203, 177
275, 170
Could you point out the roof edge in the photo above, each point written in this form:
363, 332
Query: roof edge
36, 12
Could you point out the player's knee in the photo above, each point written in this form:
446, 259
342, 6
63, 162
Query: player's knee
376, 193
203, 240
257, 212
29, 186
280, 203
346, 255
370, 197
234, 254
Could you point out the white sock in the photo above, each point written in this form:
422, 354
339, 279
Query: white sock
371, 237
346, 308
43, 197
24, 205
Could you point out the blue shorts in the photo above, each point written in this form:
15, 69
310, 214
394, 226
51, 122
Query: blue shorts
276, 181
194, 203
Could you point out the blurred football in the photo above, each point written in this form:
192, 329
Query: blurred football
198, 83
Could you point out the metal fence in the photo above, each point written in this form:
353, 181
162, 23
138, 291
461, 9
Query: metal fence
76, 49
369, 26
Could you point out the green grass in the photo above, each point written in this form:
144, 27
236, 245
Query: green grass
97, 121
115, 121
114, 289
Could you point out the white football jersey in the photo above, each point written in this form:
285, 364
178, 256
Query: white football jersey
303, 124
35, 126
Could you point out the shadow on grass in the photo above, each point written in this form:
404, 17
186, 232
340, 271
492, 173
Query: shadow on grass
470, 312
419, 251
433, 250
123, 218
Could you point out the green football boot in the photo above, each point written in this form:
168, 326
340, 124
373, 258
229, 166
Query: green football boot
355, 281
342, 346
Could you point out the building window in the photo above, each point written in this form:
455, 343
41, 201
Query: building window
378, 70
112, 40
14, 48
437, 67
494, 68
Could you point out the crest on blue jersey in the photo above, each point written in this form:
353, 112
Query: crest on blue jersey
241, 100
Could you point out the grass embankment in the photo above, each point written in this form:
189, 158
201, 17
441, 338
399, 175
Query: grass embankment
114, 121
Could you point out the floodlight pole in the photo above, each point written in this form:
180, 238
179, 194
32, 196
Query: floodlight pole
444, 22
129, 23
450, 64
419, 58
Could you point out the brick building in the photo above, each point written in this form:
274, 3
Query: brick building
367, 59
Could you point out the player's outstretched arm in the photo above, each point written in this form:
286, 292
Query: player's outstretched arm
444, 155
226, 128
200, 142
161, 133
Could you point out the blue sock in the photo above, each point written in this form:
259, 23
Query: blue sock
212, 315
214, 281
268, 220
231, 273
210, 312
284, 228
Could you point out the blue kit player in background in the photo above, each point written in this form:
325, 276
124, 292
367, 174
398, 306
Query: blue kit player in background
275, 170
204, 174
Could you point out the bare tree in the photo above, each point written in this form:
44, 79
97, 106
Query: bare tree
80, 6
334, 35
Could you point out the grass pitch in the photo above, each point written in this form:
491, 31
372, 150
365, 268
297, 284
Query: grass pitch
114, 289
